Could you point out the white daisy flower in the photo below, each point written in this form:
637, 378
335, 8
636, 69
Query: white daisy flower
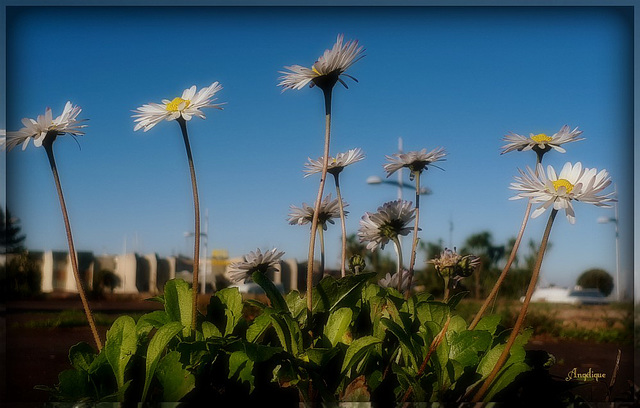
541, 142
414, 161
253, 262
186, 106
327, 69
329, 209
391, 281
391, 220
573, 183
66, 123
336, 164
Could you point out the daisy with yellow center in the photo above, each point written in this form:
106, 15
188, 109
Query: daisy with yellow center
185, 106
558, 190
541, 142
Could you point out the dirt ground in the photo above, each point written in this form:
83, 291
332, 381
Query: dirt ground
35, 356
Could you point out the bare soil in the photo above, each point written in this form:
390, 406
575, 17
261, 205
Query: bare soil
35, 356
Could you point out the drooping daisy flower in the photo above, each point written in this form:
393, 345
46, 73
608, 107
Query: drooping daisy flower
449, 263
336, 164
415, 161
185, 106
391, 281
541, 143
391, 219
573, 183
329, 209
254, 262
66, 123
326, 71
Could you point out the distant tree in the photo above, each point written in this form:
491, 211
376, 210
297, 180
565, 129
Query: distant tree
596, 279
10, 238
19, 277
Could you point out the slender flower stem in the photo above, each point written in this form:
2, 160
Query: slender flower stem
512, 256
523, 310
414, 246
343, 258
445, 296
396, 241
196, 207
321, 237
48, 147
323, 178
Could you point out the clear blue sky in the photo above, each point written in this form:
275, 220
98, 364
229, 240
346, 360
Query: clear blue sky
459, 78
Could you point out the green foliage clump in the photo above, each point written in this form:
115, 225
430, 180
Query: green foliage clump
362, 342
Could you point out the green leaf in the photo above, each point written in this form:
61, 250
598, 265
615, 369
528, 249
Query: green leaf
232, 302
337, 325
466, 345
357, 350
119, 347
297, 306
488, 323
155, 349
73, 384
489, 361
455, 299
241, 365
178, 297
506, 376
332, 293
176, 382
320, 356
259, 326
274, 295
210, 330
288, 332
149, 321
408, 350
81, 356
432, 312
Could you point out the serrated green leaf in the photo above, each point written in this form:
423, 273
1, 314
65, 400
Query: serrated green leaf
506, 376
178, 297
332, 293
357, 350
488, 323
232, 302
274, 295
466, 345
149, 321
489, 361
241, 365
337, 325
259, 326
73, 384
432, 312
320, 356
408, 349
81, 356
176, 382
210, 330
155, 349
288, 332
120, 345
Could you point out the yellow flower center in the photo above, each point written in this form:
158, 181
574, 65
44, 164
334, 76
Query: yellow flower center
541, 137
562, 183
174, 105
313, 68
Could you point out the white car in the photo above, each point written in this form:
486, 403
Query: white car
576, 296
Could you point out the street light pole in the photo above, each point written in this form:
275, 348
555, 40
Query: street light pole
614, 219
